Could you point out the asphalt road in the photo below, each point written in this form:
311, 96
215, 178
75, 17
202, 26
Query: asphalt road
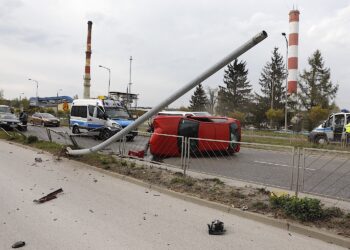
324, 174
98, 211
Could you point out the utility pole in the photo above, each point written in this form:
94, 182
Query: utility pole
286, 101
130, 81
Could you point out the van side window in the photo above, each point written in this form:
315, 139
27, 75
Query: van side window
329, 122
339, 120
91, 110
79, 111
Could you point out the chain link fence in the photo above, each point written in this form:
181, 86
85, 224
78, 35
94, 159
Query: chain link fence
325, 172
308, 170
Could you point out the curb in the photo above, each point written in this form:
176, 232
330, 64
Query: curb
282, 224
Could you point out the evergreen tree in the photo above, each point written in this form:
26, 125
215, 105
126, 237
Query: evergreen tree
316, 88
236, 95
198, 100
272, 81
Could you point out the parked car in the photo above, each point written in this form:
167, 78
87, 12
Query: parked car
44, 119
222, 129
8, 120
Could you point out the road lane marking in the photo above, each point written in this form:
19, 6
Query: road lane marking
282, 165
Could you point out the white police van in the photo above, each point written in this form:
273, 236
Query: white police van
333, 129
89, 114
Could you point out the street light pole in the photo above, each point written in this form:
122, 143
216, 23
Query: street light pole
286, 101
109, 77
37, 86
130, 79
57, 99
20, 101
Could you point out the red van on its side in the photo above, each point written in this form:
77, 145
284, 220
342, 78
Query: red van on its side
165, 141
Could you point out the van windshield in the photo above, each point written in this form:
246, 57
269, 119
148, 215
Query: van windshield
5, 109
117, 112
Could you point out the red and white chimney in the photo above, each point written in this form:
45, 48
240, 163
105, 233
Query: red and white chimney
293, 51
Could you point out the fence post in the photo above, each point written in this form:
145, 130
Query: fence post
72, 139
297, 186
292, 179
182, 152
303, 171
48, 131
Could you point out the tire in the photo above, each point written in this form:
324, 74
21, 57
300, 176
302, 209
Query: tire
105, 134
321, 139
130, 138
75, 130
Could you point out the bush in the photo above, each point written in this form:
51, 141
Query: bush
304, 209
183, 180
279, 201
32, 139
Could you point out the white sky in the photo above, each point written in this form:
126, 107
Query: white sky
171, 42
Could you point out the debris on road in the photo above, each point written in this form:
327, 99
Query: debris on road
216, 228
244, 207
18, 244
38, 159
49, 197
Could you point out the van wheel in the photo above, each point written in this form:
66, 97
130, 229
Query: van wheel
321, 139
76, 130
105, 134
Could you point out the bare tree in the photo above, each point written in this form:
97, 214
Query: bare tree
212, 99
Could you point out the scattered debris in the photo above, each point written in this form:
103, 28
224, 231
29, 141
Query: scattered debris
49, 197
156, 195
95, 180
144, 218
216, 227
18, 244
244, 207
91, 211
38, 159
185, 210
10, 152
54, 219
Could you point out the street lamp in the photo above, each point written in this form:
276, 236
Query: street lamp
109, 77
20, 101
286, 102
57, 99
37, 86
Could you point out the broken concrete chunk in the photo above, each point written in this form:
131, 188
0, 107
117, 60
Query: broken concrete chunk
50, 196
38, 159
18, 244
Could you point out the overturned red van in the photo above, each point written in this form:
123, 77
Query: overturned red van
214, 134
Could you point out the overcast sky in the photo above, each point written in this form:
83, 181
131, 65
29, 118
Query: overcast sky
171, 42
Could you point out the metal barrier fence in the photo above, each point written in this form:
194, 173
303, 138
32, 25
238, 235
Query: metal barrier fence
264, 164
325, 172
307, 170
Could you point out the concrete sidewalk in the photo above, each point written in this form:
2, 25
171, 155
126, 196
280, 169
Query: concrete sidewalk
99, 211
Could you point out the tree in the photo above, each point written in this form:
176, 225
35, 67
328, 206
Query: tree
317, 114
276, 115
271, 80
316, 88
237, 93
198, 100
212, 98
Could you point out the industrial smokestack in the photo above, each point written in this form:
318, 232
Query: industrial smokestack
293, 51
87, 76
